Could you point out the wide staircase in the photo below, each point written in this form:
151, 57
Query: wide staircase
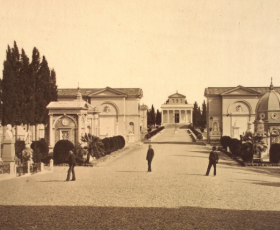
174, 134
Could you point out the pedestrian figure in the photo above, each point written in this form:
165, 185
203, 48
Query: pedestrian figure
72, 163
149, 158
213, 160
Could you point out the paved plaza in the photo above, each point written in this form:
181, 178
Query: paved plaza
119, 193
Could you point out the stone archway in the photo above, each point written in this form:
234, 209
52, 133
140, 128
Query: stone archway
65, 129
108, 119
240, 114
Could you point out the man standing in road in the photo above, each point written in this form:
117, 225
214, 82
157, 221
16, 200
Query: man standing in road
149, 158
72, 163
213, 160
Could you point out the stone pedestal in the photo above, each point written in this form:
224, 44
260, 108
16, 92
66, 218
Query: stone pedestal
8, 151
236, 132
130, 138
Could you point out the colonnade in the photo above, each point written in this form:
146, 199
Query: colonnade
169, 115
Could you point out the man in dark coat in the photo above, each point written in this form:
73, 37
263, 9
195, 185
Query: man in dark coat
72, 163
149, 158
213, 160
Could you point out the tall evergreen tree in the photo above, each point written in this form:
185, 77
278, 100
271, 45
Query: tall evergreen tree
42, 93
9, 88
195, 108
152, 116
53, 86
158, 118
27, 78
203, 116
198, 119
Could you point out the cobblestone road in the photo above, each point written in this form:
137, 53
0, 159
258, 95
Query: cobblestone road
120, 194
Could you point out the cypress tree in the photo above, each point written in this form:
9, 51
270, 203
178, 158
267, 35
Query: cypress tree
9, 84
28, 85
152, 116
42, 93
203, 116
195, 108
158, 118
198, 119
53, 86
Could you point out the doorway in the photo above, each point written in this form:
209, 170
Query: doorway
176, 117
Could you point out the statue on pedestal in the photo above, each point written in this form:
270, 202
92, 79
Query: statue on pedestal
8, 134
8, 145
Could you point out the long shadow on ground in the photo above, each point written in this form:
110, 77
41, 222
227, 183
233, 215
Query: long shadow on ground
87, 217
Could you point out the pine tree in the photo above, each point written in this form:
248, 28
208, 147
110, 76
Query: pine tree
203, 116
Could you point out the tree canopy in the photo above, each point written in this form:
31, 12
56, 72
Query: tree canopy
27, 88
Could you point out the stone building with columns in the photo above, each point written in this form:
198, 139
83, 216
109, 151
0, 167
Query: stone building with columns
176, 111
230, 109
101, 112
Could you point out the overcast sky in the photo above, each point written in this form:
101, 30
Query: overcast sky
158, 45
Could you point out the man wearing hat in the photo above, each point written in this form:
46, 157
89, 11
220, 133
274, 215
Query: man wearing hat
72, 163
213, 160
149, 158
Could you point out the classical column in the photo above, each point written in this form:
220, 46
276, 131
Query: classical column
162, 116
51, 134
191, 116
186, 114
167, 116
79, 128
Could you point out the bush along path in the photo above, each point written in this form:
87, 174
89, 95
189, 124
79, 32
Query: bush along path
93, 147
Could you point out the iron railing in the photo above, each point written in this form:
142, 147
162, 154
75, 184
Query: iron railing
35, 168
21, 169
5, 169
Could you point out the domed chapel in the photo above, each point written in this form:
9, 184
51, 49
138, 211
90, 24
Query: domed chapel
268, 115
230, 110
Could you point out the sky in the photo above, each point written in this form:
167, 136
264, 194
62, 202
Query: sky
160, 46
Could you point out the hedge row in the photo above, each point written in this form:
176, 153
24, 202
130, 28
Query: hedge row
245, 150
112, 144
151, 134
62, 148
198, 134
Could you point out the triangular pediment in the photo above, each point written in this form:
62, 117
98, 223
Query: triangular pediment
240, 90
107, 92
177, 95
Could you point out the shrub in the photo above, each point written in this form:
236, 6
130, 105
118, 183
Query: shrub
151, 134
106, 144
197, 133
274, 153
236, 147
61, 151
247, 152
225, 141
232, 144
19, 147
116, 143
122, 140
46, 160
40, 150
111, 144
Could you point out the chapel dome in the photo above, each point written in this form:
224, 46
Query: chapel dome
269, 101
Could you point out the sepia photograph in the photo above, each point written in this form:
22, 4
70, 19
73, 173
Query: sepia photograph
152, 114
